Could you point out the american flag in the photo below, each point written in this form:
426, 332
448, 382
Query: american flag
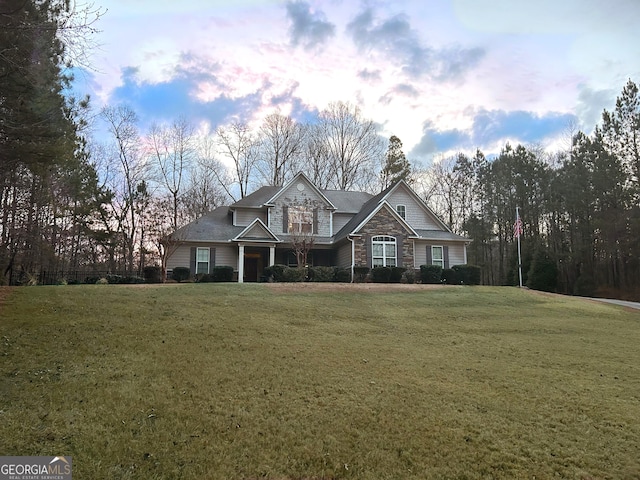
517, 228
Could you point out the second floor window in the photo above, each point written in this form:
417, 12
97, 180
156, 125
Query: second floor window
300, 220
402, 211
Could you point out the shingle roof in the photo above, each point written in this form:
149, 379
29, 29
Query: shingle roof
257, 198
215, 226
440, 235
347, 202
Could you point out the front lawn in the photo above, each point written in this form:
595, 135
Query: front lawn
227, 381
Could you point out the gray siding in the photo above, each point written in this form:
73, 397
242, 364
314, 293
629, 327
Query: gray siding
343, 257
456, 252
244, 217
416, 215
307, 197
225, 255
340, 220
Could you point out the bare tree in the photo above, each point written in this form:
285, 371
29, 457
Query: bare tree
121, 124
282, 143
173, 150
316, 159
239, 145
353, 144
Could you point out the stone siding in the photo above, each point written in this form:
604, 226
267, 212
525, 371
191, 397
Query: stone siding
383, 223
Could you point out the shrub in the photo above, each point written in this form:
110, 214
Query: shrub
343, 275
275, 273
543, 274
294, 274
467, 274
153, 274
360, 274
430, 273
381, 274
449, 276
102, 281
124, 280
223, 273
180, 274
396, 274
322, 274
409, 276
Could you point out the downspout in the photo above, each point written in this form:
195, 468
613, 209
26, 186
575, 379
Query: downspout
353, 255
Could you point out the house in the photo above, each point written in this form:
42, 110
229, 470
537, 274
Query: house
345, 229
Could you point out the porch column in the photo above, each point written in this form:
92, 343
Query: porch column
272, 255
241, 263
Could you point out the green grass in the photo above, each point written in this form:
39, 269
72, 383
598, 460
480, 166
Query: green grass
250, 381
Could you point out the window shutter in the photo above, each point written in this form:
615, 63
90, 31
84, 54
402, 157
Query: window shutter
212, 259
445, 254
285, 219
192, 262
368, 248
429, 257
399, 250
315, 220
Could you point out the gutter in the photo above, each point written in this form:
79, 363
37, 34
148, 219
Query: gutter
353, 255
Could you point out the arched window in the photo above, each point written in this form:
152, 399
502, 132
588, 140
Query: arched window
383, 251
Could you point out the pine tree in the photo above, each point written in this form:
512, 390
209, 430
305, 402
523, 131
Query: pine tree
396, 166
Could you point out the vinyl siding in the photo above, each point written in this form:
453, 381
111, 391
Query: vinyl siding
340, 220
416, 215
343, 257
456, 253
244, 217
225, 255
293, 197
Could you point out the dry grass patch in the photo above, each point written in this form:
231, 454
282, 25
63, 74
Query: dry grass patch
318, 382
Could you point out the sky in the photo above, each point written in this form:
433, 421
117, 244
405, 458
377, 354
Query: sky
445, 76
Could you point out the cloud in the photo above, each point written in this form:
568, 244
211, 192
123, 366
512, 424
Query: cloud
396, 39
591, 103
309, 28
370, 75
491, 127
168, 100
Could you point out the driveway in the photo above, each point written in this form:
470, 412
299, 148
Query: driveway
624, 303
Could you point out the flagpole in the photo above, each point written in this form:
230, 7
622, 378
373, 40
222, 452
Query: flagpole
519, 254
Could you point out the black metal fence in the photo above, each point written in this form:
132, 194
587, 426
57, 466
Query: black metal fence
70, 277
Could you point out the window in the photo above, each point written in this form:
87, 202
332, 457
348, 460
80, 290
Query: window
437, 256
300, 220
402, 211
202, 260
383, 252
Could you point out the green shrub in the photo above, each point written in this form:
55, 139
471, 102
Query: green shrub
180, 274
467, 274
343, 275
153, 274
396, 274
360, 274
449, 276
409, 276
381, 274
275, 273
294, 274
322, 274
430, 273
543, 274
223, 273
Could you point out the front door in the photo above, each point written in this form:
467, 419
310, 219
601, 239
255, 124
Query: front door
251, 266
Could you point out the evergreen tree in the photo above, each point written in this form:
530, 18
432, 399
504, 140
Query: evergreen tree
396, 166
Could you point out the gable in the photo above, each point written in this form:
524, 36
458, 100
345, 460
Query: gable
418, 214
257, 231
384, 221
301, 190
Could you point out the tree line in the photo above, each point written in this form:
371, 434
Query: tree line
70, 202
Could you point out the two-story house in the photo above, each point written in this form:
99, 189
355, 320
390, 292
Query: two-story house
346, 229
